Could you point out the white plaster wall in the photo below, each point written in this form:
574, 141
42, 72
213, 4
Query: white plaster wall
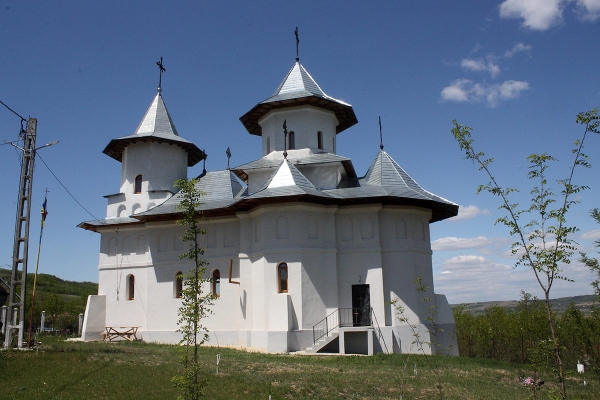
327, 250
323, 176
94, 320
305, 122
160, 165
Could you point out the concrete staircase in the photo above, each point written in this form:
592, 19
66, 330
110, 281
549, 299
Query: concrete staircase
321, 343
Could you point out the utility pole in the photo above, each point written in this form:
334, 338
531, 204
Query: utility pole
16, 301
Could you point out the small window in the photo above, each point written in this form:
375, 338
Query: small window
131, 287
268, 145
138, 185
291, 141
320, 140
216, 283
178, 284
282, 277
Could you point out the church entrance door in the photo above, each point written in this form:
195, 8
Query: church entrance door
361, 305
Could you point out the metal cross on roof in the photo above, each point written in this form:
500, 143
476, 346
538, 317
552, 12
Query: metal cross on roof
297, 43
228, 152
161, 70
285, 138
380, 135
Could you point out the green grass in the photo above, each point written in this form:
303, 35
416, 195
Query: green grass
72, 370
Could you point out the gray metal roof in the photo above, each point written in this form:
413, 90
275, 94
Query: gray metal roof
287, 181
299, 83
221, 190
299, 88
384, 183
316, 158
158, 126
386, 172
107, 222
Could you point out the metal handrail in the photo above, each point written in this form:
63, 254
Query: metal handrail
379, 334
325, 331
341, 317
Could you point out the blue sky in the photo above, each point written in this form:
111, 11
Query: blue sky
516, 71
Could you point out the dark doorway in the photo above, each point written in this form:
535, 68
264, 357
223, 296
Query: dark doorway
361, 305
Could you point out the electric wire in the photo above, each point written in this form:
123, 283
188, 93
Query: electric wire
13, 111
73, 197
70, 194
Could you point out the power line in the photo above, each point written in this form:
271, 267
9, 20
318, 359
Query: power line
70, 194
13, 111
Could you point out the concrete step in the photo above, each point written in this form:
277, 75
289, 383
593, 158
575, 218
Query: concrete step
324, 341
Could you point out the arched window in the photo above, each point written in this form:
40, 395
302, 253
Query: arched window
178, 284
216, 283
320, 140
282, 277
138, 185
291, 141
131, 287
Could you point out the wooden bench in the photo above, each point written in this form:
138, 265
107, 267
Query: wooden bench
128, 333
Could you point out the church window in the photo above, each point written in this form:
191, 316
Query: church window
320, 140
282, 277
291, 141
216, 283
178, 284
138, 185
131, 287
268, 145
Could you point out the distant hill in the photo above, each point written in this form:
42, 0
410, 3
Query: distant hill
53, 284
558, 305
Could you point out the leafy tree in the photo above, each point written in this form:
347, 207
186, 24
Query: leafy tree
593, 263
195, 303
543, 244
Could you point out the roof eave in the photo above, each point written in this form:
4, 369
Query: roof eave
115, 148
343, 112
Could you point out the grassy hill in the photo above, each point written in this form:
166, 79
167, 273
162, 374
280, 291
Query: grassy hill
47, 283
583, 303
62, 300
76, 370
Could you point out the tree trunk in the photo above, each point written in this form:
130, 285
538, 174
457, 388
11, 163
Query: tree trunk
561, 373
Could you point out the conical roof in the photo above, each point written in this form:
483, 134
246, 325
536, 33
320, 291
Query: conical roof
157, 126
384, 172
287, 175
299, 88
286, 181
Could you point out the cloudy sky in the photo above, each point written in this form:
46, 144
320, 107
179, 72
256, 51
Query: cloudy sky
516, 71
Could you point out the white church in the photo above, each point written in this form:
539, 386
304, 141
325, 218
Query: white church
304, 253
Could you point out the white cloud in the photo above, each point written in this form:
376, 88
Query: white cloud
517, 48
471, 278
468, 212
454, 243
591, 235
456, 91
481, 65
536, 14
462, 90
544, 14
588, 9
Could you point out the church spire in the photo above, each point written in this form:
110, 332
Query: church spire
380, 135
297, 43
161, 69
